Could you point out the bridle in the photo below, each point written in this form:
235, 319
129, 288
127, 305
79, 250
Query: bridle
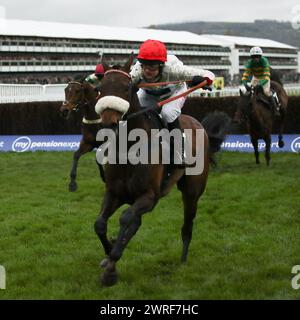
127, 75
81, 102
118, 71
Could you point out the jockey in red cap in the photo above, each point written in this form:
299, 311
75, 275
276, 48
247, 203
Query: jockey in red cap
95, 78
155, 65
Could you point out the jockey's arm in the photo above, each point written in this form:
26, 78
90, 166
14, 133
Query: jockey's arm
136, 73
178, 71
266, 73
245, 77
93, 80
175, 70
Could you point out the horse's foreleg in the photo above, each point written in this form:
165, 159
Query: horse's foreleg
109, 206
268, 149
130, 221
84, 148
101, 171
73, 173
254, 142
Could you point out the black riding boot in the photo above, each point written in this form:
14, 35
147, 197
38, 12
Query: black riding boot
180, 156
274, 106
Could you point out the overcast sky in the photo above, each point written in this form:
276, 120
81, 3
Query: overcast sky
141, 13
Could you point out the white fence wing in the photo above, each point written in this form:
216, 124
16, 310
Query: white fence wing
13, 93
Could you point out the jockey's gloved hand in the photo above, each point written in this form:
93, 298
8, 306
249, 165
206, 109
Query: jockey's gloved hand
245, 84
208, 80
196, 80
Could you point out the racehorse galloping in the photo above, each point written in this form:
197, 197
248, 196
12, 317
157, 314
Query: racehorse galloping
81, 95
254, 109
142, 185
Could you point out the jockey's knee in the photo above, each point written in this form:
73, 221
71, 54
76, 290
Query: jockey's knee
267, 92
170, 115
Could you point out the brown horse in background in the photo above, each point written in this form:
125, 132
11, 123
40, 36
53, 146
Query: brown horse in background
254, 109
141, 185
80, 95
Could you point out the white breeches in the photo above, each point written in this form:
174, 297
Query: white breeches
266, 87
170, 111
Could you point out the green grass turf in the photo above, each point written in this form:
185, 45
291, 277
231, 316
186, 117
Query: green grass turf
246, 234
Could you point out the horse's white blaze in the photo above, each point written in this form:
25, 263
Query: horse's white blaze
112, 102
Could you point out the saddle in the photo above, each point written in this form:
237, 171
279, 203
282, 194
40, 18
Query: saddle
156, 119
265, 100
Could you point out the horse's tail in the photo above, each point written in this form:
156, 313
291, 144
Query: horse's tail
217, 125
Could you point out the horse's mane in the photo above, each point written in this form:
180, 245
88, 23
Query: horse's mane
276, 86
116, 66
258, 91
79, 78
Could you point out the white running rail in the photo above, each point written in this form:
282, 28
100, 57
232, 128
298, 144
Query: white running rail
14, 93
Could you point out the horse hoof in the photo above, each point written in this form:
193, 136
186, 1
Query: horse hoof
109, 278
103, 263
281, 144
72, 186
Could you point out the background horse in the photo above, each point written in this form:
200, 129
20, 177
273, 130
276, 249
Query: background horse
142, 185
254, 109
80, 95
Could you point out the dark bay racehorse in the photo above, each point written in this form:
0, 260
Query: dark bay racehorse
254, 109
141, 185
80, 95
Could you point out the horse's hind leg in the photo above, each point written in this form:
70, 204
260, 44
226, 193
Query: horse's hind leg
254, 142
280, 141
191, 192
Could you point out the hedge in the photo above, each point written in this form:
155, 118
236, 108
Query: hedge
37, 118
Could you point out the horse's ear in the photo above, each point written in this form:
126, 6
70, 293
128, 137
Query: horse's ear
104, 63
79, 78
241, 93
105, 66
128, 64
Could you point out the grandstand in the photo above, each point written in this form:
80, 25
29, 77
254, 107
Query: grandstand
284, 58
46, 52
50, 52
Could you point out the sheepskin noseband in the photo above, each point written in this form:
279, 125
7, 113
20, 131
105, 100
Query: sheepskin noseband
112, 102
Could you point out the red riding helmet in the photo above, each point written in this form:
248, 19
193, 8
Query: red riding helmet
152, 51
99, 69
